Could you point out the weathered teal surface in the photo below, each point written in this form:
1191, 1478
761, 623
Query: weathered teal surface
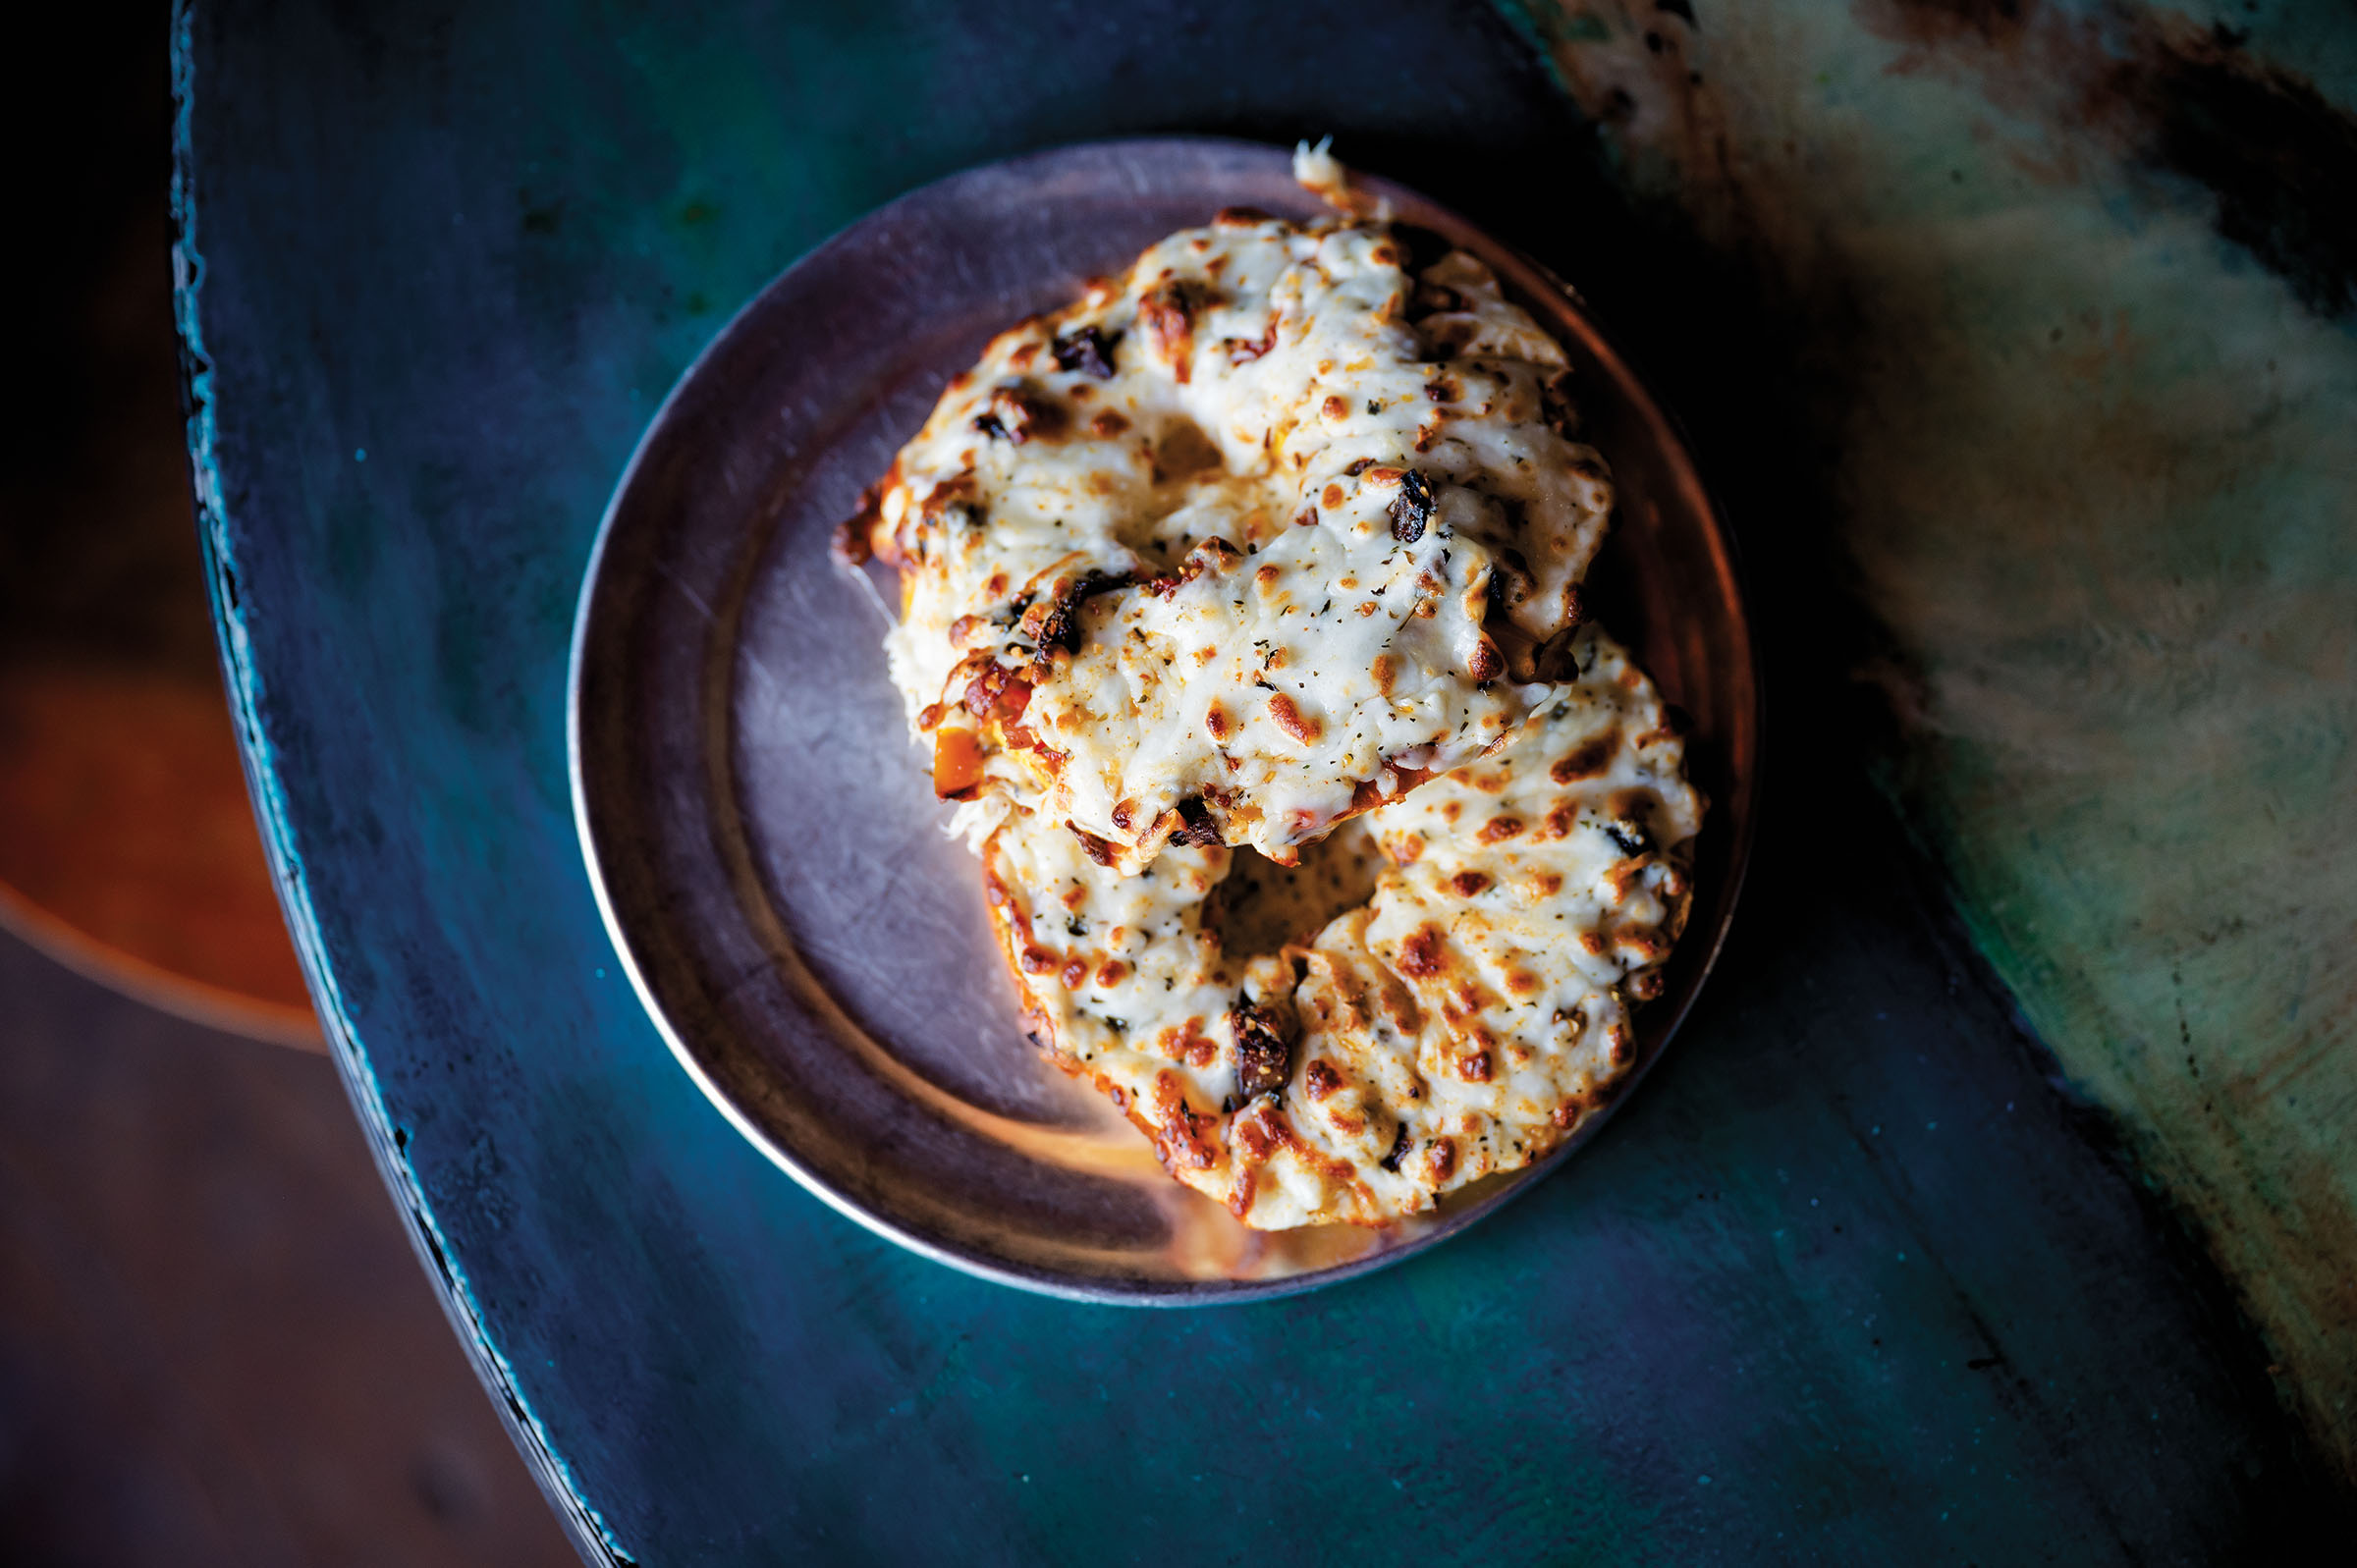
2069, 295
1851, 1278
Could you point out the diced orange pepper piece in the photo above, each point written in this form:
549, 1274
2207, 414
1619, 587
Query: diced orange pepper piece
957, 763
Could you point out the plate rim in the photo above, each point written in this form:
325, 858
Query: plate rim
1190, 1293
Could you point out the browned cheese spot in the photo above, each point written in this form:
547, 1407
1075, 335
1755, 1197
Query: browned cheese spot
1474, 1066
1112, 972
1106, 423
1469, 884
1167, 313
1332, 495
1320, 1079
1440, 1160
1037, 960
1386, 671
1016, 415
1487, 663
1216, 720
1629, 805
1255, 1141
1420, 956
1073, 973
1199, 1049
1643, 940
1175, 1124
1292, 721
1336, 408
1499, 827
1587, 759
1399, 1004
1521, 981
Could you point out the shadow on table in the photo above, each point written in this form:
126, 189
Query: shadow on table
215, 1345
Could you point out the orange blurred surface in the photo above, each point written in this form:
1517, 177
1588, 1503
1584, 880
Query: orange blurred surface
128, 849
123, 816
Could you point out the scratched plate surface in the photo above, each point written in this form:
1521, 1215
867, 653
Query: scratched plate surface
765, 843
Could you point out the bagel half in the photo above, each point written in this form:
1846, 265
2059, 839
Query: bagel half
1254, 538
1462, 1022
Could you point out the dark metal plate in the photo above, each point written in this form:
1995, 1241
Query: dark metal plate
763, 839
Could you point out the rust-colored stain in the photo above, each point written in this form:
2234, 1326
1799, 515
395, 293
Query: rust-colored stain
2056, 302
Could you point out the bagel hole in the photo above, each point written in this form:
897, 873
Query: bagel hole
1184, 450
1262, 905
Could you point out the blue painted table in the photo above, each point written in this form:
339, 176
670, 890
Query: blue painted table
1852, 1277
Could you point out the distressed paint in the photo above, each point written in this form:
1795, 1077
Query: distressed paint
1848, 1279
2072, 288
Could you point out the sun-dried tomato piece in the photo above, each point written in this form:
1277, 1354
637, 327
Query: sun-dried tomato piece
1264, 1052
1057, 622
1195, 824
1411, 509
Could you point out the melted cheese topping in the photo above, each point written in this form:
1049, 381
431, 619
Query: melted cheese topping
1462, 1022
1247, 541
